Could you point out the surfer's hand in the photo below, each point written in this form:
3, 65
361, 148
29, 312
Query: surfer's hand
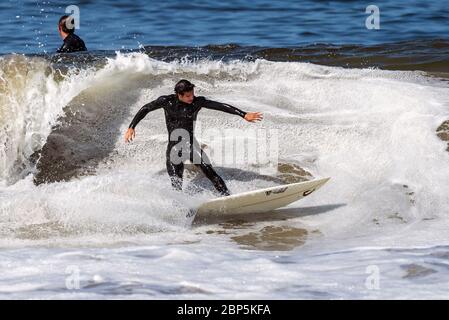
253, 116
130, 134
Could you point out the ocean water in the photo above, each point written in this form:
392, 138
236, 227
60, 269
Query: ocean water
31, 26
85, 216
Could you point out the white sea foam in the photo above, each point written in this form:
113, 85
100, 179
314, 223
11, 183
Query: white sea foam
372, 131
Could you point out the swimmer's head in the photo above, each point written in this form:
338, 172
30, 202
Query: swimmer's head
66, 26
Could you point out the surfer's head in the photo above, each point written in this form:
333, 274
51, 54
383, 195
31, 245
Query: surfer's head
185, 91
66, 26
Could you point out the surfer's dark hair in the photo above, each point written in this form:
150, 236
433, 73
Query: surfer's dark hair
63, 24
184, 86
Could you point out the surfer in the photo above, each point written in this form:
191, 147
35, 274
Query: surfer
181, 110
72, 43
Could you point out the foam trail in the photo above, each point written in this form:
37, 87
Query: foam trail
372, 131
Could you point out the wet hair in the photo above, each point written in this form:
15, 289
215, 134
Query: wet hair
184, 86
63, 24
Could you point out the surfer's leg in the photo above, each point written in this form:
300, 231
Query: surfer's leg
175, 171
208, 170
218, 182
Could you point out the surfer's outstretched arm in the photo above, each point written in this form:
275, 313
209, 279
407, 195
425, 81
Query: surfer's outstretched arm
153, 105
248, 116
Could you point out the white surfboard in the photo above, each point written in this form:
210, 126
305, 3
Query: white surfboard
259, 201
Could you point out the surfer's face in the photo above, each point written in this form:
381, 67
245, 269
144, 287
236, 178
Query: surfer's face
187, 97
60, 32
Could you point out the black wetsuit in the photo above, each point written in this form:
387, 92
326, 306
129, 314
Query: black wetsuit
72, 43
180, 115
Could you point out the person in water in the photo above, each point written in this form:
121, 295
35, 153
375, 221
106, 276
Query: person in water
181, 110
72, 43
